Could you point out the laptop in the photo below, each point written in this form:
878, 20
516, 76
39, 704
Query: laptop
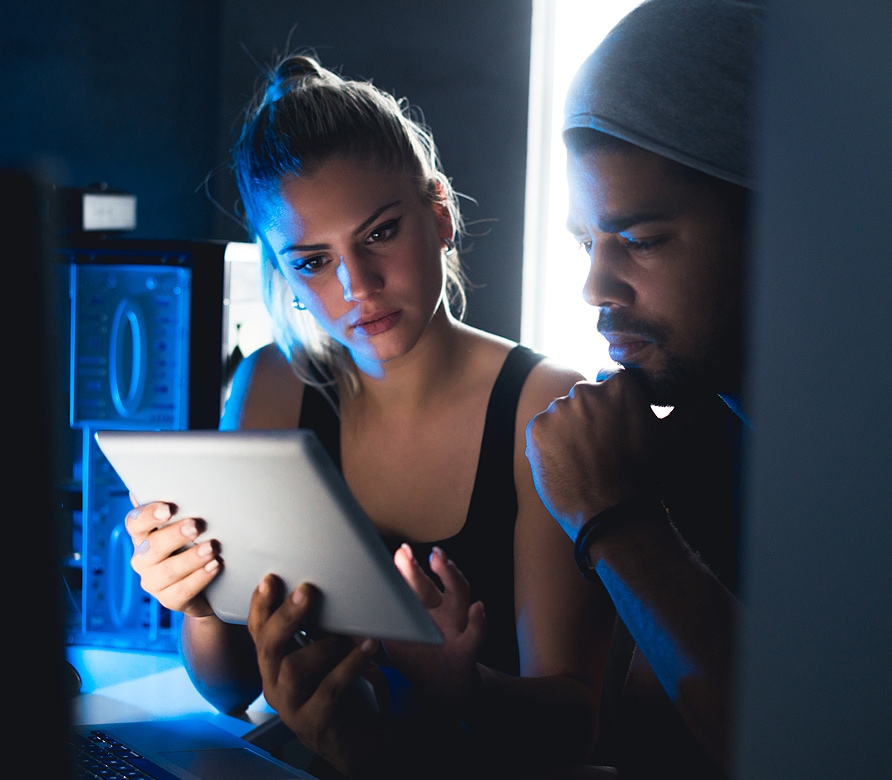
190, 748
276, 503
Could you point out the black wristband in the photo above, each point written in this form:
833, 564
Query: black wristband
607, 519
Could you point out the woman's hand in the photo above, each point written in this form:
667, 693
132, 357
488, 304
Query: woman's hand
315, 687
172, 566
448, 670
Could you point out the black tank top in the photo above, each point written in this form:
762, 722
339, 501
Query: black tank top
484, 547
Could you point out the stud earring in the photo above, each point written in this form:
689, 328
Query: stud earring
296, 304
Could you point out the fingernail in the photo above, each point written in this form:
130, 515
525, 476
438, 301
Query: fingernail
438, 552
189, 529
211, 565
205, 549
162, 512
143, 547
298, 597
368, 646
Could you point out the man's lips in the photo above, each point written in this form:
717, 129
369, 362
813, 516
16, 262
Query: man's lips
623, 347
377, 322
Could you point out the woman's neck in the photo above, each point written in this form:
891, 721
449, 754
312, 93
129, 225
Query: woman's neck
430, 370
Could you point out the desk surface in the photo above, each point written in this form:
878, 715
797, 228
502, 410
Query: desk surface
123, 685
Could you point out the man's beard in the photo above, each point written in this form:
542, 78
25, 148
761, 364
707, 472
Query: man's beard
677, 379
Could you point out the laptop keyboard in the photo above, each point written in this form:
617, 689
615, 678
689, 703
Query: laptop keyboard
99, 756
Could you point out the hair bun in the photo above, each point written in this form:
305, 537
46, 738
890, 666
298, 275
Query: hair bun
291, 69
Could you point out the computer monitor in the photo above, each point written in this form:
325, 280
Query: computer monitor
38, 678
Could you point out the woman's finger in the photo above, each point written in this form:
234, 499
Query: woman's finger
428, 593
186, 590
145, 518
457, 591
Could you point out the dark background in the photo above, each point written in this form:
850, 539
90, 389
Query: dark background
146, 98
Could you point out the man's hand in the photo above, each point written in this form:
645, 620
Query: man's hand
314, 688
593, 448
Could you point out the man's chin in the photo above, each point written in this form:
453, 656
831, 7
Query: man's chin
667, 388
655, 389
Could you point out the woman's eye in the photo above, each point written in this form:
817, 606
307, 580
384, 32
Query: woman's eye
383, 232
309, 264
585, 246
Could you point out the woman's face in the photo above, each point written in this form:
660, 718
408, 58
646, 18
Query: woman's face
363, 252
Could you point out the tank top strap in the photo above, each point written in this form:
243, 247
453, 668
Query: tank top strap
497, 450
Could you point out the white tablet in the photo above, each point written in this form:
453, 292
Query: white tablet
276, 503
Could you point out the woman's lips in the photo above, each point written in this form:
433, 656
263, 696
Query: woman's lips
373, 324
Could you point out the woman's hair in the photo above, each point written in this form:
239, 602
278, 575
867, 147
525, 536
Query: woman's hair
303, 115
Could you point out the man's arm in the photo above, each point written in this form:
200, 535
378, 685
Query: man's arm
682, 618
597, 448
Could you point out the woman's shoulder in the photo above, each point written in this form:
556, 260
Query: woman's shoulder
265, 392
548, 378
550, 372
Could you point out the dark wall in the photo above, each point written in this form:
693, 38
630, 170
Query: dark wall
118, 92
146, 98
817, 697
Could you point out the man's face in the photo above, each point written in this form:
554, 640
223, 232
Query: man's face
667, 256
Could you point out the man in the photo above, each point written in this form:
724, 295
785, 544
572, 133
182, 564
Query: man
658, 133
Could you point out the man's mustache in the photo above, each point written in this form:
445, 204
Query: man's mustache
620, 322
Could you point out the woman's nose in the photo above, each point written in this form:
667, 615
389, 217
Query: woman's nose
359, 278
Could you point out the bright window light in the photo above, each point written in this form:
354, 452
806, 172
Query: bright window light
555, 319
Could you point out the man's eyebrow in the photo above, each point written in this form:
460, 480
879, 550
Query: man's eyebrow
622, 223
362, 227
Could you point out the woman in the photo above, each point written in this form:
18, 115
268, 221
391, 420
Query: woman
426, 417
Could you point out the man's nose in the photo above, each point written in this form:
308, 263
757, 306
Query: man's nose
605, 285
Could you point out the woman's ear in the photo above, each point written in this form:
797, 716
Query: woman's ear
447, 232
445, 222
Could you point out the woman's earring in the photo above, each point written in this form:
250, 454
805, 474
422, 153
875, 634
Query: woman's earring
296, 304
450, 245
